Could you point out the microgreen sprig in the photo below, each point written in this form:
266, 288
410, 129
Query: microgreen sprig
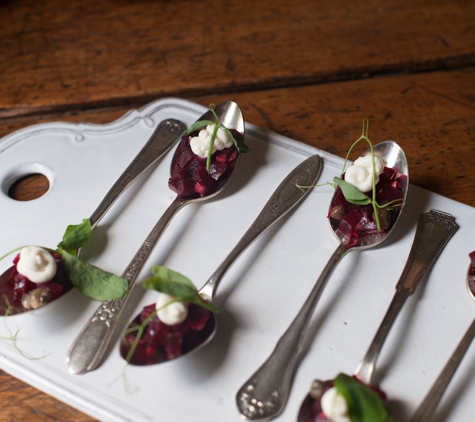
351, 193
238, 142
13, 336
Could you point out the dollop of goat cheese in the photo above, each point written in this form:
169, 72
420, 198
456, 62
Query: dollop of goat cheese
169, 311
335, 406
37, 264
360, 174
200, 144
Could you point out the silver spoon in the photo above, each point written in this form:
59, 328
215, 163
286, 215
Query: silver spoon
427, 408
434, 230
165, 135
286, 197
89, 347
264, 395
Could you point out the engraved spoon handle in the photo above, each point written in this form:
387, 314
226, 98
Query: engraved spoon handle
434, 230
162, 139
284, 198
89, 347
427, 408
264, 394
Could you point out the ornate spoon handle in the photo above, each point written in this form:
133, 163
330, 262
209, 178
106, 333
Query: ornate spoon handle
284, 198
263, 396
89, 347
165, 135
429, 404
434, 230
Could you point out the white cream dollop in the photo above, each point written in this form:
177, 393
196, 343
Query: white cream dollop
170, 313
37, 264
200, 144
334, 406
360, 174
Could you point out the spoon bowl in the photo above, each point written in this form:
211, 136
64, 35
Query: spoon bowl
88, 349
264, 395
286, 197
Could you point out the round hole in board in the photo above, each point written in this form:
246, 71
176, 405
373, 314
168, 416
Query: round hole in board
29, 187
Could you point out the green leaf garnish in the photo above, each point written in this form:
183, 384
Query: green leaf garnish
90, 280
176, 285
76, 236
352, 193
93, 282
364, 404
238, 142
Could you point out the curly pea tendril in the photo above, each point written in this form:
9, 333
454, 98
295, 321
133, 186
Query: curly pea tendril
352, 194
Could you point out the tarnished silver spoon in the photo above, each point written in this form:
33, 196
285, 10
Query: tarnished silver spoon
434, 230
427, 408
264, 395
89, 347
285, 198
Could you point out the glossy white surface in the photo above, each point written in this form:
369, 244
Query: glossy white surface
259, 296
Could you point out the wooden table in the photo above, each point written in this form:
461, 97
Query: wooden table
310, 70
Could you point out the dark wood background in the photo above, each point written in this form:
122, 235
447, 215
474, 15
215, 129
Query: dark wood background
310, 70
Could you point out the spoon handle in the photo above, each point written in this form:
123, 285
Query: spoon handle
90, 346
434, 230
285, 197
429, 404
165, 135
264, 394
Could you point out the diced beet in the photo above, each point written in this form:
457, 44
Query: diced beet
366, 225
216, 170
233, 155
221, 158
184, 158
184, 187
387, 193
196, 164
155, 333
197, 318
173, 344
203, 181
16, 259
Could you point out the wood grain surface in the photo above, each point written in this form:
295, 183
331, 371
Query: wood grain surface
309, 70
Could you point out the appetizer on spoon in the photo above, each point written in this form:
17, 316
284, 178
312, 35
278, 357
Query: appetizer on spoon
427, 408
196, 175
40, 275
359, 224
183, 318
355, 398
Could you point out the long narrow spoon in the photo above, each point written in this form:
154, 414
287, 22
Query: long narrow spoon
89, 347
427, 408
264, 395
434, 230
286, 197
165, 135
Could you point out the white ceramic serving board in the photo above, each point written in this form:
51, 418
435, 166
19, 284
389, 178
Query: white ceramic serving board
259, 296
